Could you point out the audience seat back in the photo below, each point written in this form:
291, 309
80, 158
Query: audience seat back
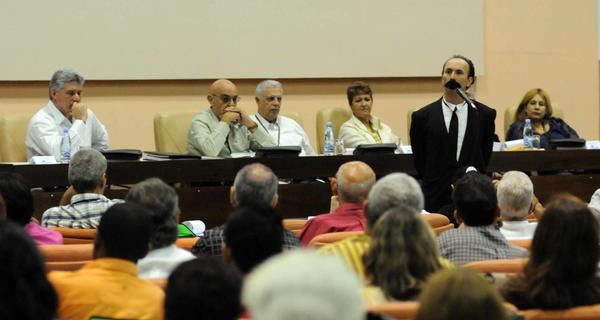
438, 222
294, 225
337, 116
76, 236
66, 258
498, 266
327, 238
579, 313
405, 310
171, 130
13, 131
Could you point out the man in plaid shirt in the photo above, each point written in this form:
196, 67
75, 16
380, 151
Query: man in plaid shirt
255, 185
83, 204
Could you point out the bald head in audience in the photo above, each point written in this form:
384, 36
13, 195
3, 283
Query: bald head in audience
352, 182
255, 185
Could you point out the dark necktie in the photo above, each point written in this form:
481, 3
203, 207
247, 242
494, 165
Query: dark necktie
453, 132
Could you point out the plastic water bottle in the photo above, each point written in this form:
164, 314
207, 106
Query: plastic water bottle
329, 144
65, 146
527, 134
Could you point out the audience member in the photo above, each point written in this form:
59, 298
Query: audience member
562, 270
251, 236
391, 191
83, 204
364, 128
162, 202
351, 185
303, 284
224, 128
476, 207
536, 106
403, 254
205, 288
19, 209
284, 130
25, 293
255, 185
108, 286
515, 194
458, 293
595, 201
64, 111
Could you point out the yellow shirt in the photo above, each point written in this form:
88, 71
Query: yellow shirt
107, 288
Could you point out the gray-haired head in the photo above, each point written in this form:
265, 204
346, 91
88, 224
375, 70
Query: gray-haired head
390, 192
263, 85
354, 181
514, 193
86, 170
62, 77
161, 200
255, 185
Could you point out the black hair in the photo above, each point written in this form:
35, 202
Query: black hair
475, 199
471, 73
17, 197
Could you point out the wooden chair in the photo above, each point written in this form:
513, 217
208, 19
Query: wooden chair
327, 238
438, 222
396, 310
521, 243
13, 131
499, 266
66, 258
171, 129
186, 243
578, 313
76, 236
294, 225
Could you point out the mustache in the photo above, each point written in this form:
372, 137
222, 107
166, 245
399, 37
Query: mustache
452, 84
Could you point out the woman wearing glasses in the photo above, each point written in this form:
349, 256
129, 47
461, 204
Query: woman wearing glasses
364, 128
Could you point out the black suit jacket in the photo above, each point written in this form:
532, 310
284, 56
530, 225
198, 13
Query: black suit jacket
432, 151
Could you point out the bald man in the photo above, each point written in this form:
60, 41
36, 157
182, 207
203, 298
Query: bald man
351, 185
224, 128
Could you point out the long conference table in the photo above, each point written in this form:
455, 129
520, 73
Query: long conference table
203, 185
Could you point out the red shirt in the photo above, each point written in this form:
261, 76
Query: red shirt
347, 217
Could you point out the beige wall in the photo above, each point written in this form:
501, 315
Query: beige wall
528, 43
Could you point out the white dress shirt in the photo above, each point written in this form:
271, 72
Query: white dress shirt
518, 230
463, 114
45, 132
286, 132
159, 263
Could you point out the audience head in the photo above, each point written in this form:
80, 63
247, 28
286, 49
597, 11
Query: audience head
459, 293
269, 94
461, 69
162, 202
124, 232
514, 193
204, 288
252, 235
87, 171
475, 200
360, 99
221, 95
353, 181
255, 185
303, 284
25, 292
17, 198
391, 191
535, 105
403, 254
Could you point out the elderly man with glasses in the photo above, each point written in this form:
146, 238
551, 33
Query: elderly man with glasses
224, 128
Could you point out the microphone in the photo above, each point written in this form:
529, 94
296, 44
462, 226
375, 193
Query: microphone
454, 85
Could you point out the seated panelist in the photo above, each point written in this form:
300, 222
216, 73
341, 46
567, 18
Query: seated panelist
224, 128
64, 111
363, 128
536, 106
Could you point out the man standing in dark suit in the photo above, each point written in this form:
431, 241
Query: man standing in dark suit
449, 134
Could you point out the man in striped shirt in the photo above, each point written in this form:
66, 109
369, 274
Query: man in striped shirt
83, 204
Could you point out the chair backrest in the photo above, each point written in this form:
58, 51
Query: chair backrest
438, 222
578, 313
500, 265
337, 116
327, 238
171, 130
66, 258
76, 236
509, 115
13, 131
396, 310
186, 243
521, 243
295, 116
294, 225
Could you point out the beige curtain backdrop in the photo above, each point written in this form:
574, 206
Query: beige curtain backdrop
527, 43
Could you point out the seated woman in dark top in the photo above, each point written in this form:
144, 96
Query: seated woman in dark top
536, 106
561, 271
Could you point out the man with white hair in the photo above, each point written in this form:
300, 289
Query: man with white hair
515, 192
284, 131
303, 284
64, 111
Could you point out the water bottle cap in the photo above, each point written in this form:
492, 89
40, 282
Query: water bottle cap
527, 120
65, 130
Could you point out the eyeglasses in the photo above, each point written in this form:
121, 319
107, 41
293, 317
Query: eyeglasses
228, 99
